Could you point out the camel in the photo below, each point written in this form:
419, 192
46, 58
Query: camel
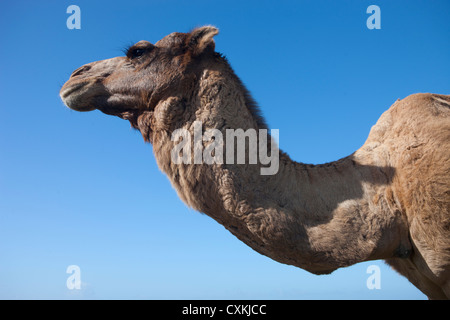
388, 200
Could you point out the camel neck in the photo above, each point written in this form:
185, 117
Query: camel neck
317, 217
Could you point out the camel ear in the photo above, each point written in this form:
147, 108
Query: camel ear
202, 38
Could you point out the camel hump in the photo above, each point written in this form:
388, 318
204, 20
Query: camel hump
443, 100
422, 107
428, 98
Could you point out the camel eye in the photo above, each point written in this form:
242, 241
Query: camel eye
139, 49
133, 53
136, 53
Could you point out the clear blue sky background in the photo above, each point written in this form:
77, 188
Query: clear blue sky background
84, 189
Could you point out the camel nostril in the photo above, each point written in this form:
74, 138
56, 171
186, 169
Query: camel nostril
80, 70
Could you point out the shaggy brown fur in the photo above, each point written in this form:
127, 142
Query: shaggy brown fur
388, 200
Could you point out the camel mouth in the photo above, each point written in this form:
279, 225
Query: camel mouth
78, 96
66, 91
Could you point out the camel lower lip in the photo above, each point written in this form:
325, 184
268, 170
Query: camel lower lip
74, 97
66, 92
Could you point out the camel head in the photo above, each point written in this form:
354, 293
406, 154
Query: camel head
132, 85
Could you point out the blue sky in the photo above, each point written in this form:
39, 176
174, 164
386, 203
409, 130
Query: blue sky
84, 189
